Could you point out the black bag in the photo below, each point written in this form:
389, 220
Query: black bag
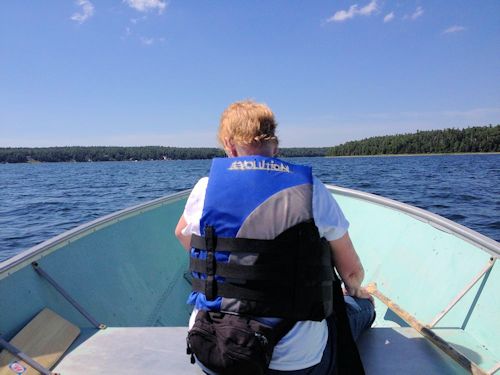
232, 344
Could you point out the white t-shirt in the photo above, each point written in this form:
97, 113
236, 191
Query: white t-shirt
303, 346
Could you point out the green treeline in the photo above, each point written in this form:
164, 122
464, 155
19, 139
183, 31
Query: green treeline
83, 154
303, 152
474, 139
98, 153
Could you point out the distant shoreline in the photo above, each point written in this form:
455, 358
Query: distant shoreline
429, 154
478, 140
320, 156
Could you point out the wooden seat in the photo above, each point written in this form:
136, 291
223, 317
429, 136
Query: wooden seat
45, 339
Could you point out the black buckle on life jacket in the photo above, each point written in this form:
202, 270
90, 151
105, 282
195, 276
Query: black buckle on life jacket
210, 244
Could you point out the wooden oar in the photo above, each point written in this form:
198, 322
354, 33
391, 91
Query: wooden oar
426, 332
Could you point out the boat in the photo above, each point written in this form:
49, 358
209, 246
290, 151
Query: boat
121, 283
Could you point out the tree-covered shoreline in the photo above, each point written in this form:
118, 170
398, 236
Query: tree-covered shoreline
478, 139
468, 140
111, 153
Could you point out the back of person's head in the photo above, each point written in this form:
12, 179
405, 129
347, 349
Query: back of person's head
247, 123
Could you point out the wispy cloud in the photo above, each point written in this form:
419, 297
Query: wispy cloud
343, 15
454, 29
151, 41
354, 10
138, 19
147, 41
87, 11
389, 17
416, 14
369, 9
147, 5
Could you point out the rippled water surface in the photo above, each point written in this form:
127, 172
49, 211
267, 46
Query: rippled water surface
39, 201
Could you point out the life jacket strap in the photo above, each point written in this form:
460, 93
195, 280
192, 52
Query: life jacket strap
240, 245
283, 272
225, 289
210, 285
247, 272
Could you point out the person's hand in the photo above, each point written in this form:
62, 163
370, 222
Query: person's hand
360, 292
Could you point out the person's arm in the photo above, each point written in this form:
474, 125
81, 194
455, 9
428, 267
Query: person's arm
349, 266
188, 222
184, 240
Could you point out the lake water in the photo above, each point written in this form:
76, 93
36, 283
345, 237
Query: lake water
39, 201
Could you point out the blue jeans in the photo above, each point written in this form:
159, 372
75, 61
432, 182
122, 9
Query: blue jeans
361, 314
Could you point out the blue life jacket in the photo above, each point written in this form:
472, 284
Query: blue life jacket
259, 252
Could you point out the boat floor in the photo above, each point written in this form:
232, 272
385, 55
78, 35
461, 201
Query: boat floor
139, 350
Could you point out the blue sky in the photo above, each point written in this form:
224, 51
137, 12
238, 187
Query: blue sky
152, 72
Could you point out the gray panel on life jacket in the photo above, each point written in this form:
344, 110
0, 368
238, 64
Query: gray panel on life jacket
276, 214
279, 212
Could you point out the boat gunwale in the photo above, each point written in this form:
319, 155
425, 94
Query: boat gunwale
44, 248
439, 222
38, 251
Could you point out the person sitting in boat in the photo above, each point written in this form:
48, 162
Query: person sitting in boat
253, 195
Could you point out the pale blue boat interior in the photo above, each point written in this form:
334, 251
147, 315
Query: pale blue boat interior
129, 272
